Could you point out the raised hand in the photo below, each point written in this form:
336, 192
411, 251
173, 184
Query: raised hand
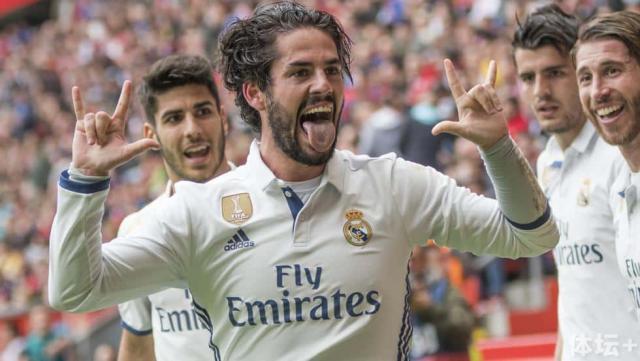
479, 110
99, 142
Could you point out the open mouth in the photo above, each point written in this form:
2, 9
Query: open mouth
609, 113
316, 114
546, 110
317, 125
198, 151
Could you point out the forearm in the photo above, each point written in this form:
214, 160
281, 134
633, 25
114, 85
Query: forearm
86, 275
75, 244
517, 191
136, 348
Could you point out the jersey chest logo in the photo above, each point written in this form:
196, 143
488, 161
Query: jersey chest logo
356, 230
584, 193
237, 208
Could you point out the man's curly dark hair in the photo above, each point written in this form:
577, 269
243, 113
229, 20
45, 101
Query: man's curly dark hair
246, 50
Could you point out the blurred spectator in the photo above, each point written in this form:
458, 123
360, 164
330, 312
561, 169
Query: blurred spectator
11, 344
442, 319
46, 341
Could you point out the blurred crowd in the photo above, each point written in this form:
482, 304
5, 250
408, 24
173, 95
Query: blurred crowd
397, 95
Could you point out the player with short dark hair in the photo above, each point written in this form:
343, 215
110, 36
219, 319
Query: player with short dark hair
300, 254
184, 115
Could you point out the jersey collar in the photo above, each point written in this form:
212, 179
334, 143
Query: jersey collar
263, 178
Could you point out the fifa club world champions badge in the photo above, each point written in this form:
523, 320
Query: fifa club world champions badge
237, 208
356, 230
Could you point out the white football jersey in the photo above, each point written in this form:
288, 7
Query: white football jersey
178, 333
625, 202
578, 182
273, 278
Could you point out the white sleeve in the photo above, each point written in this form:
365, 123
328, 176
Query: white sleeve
85, 274
432, 206
136, 316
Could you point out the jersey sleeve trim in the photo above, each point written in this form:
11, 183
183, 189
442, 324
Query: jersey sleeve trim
84, 188
134, 331
535, 224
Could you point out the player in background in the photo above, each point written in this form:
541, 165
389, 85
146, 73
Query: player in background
301, 253
184, 115
607, 60
576, 170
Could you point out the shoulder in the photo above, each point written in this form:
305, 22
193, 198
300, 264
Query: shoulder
356, 162
133, 220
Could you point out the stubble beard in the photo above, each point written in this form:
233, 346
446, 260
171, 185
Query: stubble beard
172, 160
621, 135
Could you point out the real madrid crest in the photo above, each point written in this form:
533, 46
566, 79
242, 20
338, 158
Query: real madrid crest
356, 230
237, 208
584, 193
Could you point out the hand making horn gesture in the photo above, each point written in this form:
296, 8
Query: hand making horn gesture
99, 141
479, 110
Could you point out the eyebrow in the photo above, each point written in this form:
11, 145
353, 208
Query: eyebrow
302, 63
603, 64
171, 112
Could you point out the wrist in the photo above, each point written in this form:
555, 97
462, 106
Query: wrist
87, 172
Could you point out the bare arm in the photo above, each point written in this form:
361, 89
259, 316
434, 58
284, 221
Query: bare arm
136, 347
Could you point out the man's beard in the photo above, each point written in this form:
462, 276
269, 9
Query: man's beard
622, 136
172, 160
280, 124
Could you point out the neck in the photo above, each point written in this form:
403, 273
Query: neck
565, 139
223, 168
282, 166
631, 153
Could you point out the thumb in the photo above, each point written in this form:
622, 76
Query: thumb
138, 147
448, 126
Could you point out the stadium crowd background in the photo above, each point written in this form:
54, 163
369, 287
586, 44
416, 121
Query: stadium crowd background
399, 92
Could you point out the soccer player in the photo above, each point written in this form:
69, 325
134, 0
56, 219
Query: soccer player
301, 254
607, 58
576, 170
184, 116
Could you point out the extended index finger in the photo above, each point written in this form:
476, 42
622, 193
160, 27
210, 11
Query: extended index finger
492, 73
123, 101
78, 106
457, 90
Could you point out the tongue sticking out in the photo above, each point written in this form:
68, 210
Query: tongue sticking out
320, 134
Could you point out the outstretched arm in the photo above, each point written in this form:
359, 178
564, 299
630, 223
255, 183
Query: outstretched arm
519, 224
84, 274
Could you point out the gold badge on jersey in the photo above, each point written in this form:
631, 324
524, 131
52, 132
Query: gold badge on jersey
356, 230
584, 192
237, 208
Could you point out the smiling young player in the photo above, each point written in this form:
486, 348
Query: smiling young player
184, 116
576, 171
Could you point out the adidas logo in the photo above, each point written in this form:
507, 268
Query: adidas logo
238, 241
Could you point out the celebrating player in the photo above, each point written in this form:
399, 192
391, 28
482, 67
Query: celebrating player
301, 253
184, 116
607, 59
576, 171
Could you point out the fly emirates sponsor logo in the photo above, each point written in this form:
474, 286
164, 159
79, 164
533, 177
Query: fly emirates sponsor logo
292, 307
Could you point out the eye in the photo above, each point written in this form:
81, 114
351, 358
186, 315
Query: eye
204, 111
584, 79
611, 71
334, 70
555, 73
526, 78
173, 118
300, 73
